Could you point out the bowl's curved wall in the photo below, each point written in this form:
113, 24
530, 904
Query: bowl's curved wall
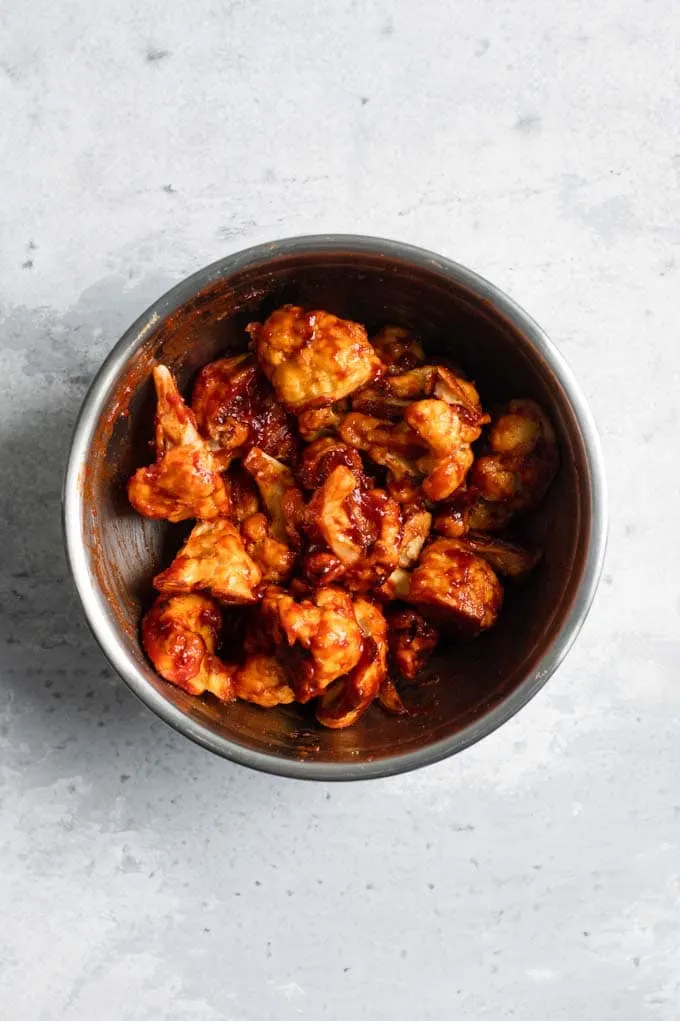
114, 552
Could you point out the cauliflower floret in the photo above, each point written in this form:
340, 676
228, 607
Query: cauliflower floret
395, 446
345, 701
398, 349
274, 559
333, 516
179, 635
431, 436
322, 456
522, 458
391, 395
438, 425
412, 640
462, 394
448, 435
185, 482
213, 558
362, 527
263, 680
273, 480
320, 422
319, 637
235, 407
445, 474
454, 587
313, 358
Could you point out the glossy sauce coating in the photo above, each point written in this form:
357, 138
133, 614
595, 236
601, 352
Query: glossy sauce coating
347, 498
236, 407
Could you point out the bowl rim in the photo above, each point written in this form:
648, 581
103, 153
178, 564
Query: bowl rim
105, 629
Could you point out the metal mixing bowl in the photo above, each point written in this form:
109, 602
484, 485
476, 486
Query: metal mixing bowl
114, 552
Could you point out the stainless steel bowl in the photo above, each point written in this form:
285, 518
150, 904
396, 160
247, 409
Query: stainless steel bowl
113, 552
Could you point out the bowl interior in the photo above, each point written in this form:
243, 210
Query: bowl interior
466, 680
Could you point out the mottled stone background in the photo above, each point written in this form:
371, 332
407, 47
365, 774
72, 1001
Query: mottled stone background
535, 877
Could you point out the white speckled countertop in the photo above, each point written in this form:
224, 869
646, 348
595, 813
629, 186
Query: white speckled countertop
535, 876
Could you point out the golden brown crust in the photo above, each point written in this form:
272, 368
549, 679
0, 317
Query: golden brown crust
264, 681
236, 408
313, 358
522, 458
344, 702
213, 558
319, 637
273, 479
274, 559
322, 456
179, 635
455, 588
185, 482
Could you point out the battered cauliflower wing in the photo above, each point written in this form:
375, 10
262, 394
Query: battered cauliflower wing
455, 588
362, 528
398, 349
439, 426
448, 435
263, 680
394, 446
179, 635
345, 701
331, 509
313, 358
418, 423
273, 480
319, 638
185, 482
412, 640
236, 408
510, 477
274, 559
321, 421
322, 456
213, 558
462, 394
522, 458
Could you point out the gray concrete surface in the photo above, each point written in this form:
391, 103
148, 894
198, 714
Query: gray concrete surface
535, 877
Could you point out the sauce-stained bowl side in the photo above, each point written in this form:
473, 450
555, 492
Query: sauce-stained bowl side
471, 688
